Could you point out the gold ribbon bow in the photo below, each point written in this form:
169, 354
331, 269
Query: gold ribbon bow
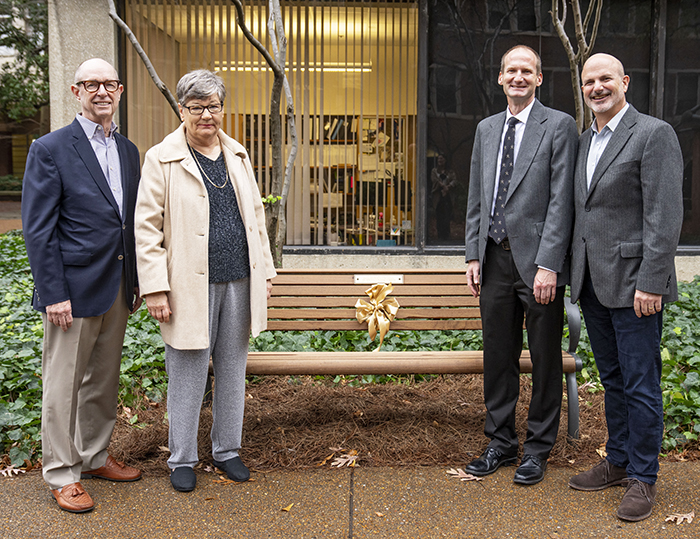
379, 312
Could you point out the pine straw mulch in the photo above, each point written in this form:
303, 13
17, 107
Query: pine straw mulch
295, 423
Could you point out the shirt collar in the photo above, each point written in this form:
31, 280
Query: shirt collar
523, 115
91, 127
613, 123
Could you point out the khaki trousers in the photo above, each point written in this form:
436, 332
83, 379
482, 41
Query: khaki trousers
80, 387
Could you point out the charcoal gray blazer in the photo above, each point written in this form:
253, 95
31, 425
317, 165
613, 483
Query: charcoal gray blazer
539, 205
627, 224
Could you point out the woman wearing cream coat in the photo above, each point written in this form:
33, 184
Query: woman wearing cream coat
204, 268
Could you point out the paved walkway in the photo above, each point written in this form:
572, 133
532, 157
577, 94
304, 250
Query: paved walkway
349, 503
10, 216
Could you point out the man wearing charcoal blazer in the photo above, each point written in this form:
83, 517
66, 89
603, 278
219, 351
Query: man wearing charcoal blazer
517, 240
78, 199
629, 211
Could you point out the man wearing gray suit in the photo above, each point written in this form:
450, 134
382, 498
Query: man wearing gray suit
519, 219
629, 211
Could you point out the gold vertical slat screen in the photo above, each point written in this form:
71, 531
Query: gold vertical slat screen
352, 70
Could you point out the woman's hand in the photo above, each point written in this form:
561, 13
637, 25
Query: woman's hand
269, 288
158, 306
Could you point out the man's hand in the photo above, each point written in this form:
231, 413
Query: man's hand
60, 314
545, 286
473, 277
646, 304
269, 288
138, 301
159, 306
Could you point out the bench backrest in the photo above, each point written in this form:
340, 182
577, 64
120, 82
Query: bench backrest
305, 300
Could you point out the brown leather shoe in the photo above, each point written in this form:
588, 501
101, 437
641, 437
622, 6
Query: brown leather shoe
638, 501
602, 475
113, 470
73, 498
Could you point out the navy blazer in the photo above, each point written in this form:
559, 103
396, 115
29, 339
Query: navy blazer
78, 244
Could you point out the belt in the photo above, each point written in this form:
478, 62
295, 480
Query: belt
505, 243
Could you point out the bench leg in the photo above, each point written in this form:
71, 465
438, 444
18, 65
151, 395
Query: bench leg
572, 394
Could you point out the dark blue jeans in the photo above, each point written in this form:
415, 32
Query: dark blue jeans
626, 350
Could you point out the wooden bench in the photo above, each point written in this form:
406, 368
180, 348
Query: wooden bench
308, 300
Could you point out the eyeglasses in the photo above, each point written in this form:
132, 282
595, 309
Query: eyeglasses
198, 110
93, 85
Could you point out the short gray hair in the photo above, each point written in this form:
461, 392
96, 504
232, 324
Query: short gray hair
200, 84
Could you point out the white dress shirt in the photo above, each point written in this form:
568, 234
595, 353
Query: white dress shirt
599, 141
522, 116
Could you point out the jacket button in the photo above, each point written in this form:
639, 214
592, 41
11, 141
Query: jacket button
588, 208
123, 227
121, 257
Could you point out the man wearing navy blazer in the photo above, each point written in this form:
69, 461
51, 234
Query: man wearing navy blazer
519, 218
629, 212
78, 199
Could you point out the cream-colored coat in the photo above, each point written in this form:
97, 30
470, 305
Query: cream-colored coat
172, 237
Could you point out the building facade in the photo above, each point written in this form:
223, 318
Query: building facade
380, 89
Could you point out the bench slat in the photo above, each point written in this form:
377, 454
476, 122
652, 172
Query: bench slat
354, 325
334, 363
305, 289
338, 314
349, 301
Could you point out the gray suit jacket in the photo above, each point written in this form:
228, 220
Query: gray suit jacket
539, 206
628, 223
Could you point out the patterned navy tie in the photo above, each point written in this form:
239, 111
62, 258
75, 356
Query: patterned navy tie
497, 229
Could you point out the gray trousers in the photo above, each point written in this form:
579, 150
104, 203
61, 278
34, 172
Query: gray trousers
229, 333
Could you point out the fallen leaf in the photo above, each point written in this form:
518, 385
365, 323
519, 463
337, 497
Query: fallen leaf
379, 514
324, 461
680, 517
336, 449
209, 469
462, 475
288, 508
436, 424
602, 452
164, 448
7, 472
207, 499
554, 535
349, 459
224, 480
358, 413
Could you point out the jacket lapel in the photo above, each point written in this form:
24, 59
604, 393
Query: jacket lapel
532, 137
581, 168
87, 154
618, 140
492, 141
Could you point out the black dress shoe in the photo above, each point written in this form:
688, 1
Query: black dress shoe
234, 468
530, 471
489, 462
183, 479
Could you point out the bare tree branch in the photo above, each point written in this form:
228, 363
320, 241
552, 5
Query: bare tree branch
147, 62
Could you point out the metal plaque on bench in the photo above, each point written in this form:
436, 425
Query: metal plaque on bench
372, 278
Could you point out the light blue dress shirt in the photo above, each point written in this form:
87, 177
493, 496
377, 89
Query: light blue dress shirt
105, 148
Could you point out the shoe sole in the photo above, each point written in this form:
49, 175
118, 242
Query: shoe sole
92, 476
592, 489
526, 482
634, 518
506, 462
76, 511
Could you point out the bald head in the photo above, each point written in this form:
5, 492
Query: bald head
92, 65
604, 83
608, 60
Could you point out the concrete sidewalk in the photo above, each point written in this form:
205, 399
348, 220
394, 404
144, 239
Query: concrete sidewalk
10, 215
349, 503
